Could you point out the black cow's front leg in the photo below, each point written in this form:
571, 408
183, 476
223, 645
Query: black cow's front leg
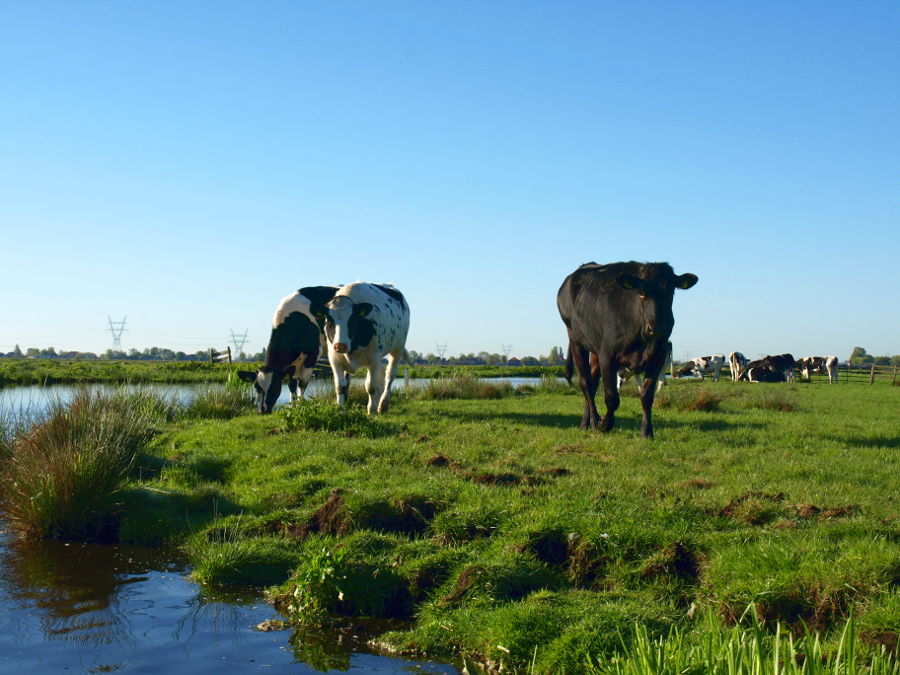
609, 372
581, 356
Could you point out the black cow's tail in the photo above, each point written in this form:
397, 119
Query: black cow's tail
570, 364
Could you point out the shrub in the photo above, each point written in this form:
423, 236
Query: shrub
63, 474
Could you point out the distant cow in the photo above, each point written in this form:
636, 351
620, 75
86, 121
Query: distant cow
778, 368
625, 374
704, 364
825, 365
622, 313
363, 323
294, 345
737, 362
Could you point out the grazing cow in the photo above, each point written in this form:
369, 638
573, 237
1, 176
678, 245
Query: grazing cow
778, 368
622, 313
737, 362
363, 323
294, 345
704, 364
625, 373
825, 365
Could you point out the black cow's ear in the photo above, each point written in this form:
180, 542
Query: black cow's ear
247, 376
687, 280
317, 311
362, 308
628, 281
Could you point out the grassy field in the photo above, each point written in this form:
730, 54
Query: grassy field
493, 530
58, 371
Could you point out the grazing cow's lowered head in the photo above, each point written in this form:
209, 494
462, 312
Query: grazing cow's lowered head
294, 346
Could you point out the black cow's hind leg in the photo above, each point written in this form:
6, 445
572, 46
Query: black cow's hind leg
581, 356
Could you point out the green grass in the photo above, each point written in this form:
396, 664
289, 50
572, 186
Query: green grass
506, 536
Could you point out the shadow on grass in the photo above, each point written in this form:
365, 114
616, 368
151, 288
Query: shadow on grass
892, 442
624, 422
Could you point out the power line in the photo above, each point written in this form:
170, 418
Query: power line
238, 341
116, 328
506, 349
441, 348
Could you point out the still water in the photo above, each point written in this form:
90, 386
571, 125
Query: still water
86, 608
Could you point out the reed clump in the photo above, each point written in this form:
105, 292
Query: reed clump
464, 386
62, 475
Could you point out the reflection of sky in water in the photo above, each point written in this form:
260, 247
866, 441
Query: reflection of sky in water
87, 608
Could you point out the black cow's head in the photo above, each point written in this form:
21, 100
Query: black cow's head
267, 383
656, 295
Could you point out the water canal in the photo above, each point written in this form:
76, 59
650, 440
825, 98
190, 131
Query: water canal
88, 608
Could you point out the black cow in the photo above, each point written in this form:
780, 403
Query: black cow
622, 313
778, 368
294, 346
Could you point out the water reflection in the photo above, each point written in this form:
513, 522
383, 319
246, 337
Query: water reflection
90, 608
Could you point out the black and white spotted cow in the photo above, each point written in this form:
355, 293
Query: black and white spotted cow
704, 365
294, 345
737, 362
825, 365
778, 368
363, 324
625, 373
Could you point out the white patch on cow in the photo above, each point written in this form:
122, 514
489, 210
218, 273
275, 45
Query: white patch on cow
295, 302
264, 380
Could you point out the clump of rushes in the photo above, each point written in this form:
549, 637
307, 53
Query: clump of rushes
219, 403
62, 475
740, 650
464, 386
318, 415
771, 399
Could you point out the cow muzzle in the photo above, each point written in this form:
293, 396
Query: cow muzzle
340, 347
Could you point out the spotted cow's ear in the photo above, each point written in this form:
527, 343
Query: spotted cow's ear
362, 308
317, 311
628, 282
247, 376
687, 280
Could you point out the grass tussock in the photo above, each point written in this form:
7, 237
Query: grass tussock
320, 415
704, 398
773, 399
464, 386
219, 403
62, 474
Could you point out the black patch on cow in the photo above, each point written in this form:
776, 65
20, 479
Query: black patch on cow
295, 335
318, 297
393, 293
361, 330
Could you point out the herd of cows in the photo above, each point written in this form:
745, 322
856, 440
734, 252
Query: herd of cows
618, 317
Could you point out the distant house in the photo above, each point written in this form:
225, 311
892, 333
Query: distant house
513, 362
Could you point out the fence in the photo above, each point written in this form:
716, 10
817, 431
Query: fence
220, 357
866, 373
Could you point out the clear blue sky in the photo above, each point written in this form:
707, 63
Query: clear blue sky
188, 164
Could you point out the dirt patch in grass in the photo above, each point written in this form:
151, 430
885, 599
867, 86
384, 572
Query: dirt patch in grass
586, 563
754, 508
674, 560
696, 484
888, 639
549, 547
807, 511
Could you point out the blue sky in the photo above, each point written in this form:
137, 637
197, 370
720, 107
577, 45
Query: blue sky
188, 164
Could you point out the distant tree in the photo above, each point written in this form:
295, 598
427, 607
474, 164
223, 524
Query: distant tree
859, 356
530, 361
17, 352
556, 357
882, 361
895, 360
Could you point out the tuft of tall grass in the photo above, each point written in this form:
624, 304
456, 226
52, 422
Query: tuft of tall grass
319, 415
743, 651
771, 399
61, 476
689, 398
219, 403
464, 386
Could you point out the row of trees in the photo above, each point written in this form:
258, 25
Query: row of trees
556, 357
860, 357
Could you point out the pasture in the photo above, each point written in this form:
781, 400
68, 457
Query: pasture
493, 528
476, 522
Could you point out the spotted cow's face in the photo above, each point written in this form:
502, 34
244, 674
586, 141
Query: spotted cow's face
267, 383
340, 314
